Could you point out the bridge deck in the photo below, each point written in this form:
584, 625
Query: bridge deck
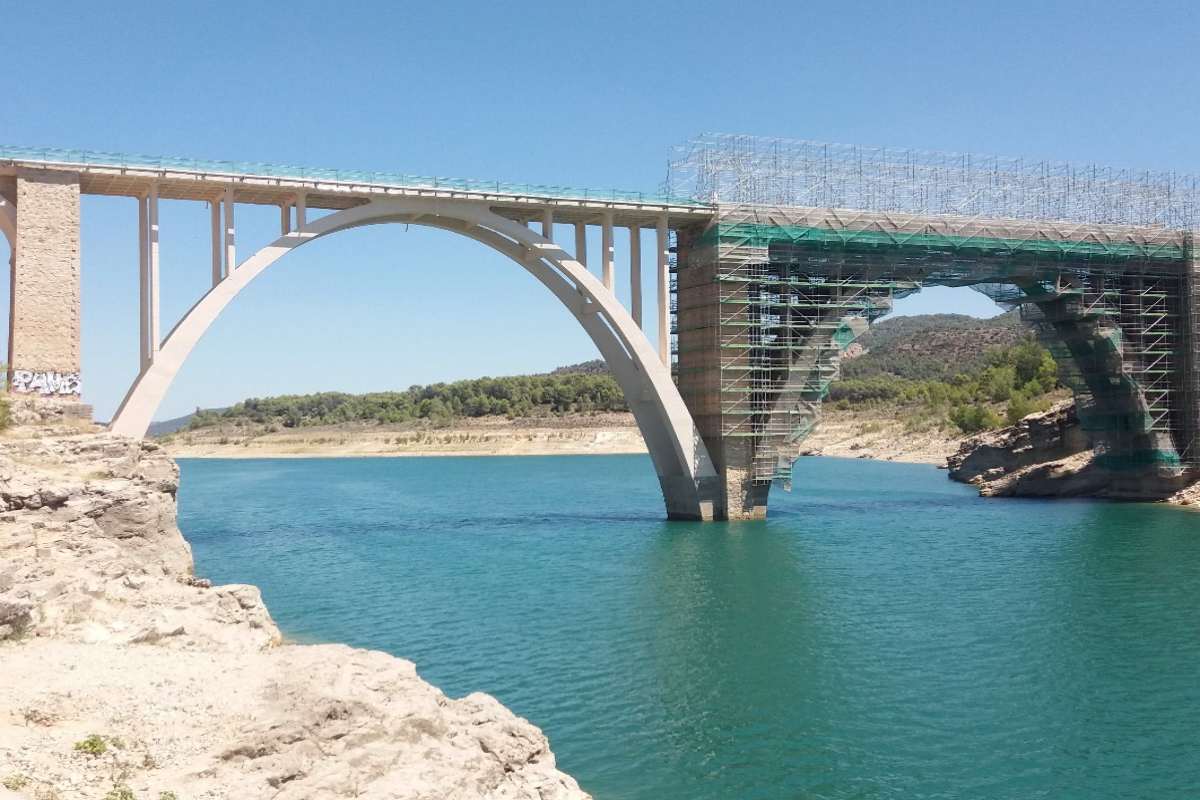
270, 184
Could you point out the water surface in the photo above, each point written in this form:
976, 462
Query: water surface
886, 634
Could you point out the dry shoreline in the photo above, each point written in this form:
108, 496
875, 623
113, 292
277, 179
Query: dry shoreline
841, 433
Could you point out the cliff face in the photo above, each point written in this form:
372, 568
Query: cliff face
1049, 455
186, 687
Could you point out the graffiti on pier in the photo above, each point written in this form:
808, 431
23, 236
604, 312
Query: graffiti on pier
45, 383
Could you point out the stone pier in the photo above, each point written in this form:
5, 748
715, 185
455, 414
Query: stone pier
44, 313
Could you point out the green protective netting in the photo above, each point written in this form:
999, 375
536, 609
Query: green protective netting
850, 329
760, 235
1138, 460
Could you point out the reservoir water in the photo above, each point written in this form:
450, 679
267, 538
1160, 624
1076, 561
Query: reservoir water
886, 634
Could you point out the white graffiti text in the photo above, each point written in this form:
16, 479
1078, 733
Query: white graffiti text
45, 383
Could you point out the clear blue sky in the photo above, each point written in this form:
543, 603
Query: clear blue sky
584, 94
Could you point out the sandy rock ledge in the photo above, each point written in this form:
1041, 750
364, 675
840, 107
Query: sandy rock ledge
187, 688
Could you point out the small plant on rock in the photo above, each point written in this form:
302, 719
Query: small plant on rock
15, 782
120, 792
167, 796
93, 746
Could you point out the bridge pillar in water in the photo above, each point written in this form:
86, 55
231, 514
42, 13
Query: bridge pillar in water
1190, 375
702, 324
44, 313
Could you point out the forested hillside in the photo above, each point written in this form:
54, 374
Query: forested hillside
579, 389
933, 346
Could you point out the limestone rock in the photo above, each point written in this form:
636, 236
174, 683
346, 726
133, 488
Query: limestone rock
1049, 455
104, 629
1039, 438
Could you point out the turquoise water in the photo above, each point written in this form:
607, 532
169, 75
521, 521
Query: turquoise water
886, 634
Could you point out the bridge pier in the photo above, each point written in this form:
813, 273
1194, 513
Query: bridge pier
44, 312
738, 493
1190, 350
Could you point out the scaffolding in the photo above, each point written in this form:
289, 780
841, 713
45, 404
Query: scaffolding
812, 242
752, 170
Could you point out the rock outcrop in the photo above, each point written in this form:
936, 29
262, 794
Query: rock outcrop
124, 671
1049, 455
1037, 439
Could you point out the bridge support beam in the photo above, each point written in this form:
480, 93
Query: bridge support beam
606, 250
152, 299
230, 234
43, 348
635, 274
662, 258
143, 282
215, 222
581, 243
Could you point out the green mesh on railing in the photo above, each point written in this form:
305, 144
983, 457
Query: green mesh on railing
90, 158
759, 235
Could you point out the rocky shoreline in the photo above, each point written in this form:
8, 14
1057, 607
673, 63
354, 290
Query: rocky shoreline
1049, 455
126, 676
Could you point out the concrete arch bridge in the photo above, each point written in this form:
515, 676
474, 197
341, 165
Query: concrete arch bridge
761, 293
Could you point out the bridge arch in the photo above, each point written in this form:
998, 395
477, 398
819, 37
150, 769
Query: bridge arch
681, 460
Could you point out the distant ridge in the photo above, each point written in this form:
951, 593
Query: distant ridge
166, 426
933, 346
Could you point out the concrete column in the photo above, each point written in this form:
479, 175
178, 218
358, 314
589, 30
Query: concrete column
606, 249
230, 234
144, 282
581, 243
155, 336
635, 273
548, 224
301, 211
43, 349
285, 219
215, 208
663, 254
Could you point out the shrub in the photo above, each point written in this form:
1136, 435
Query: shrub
93, 746
15, 782
1019, 407
974, 418
997, 382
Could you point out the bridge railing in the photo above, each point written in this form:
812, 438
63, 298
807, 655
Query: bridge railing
94, 158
